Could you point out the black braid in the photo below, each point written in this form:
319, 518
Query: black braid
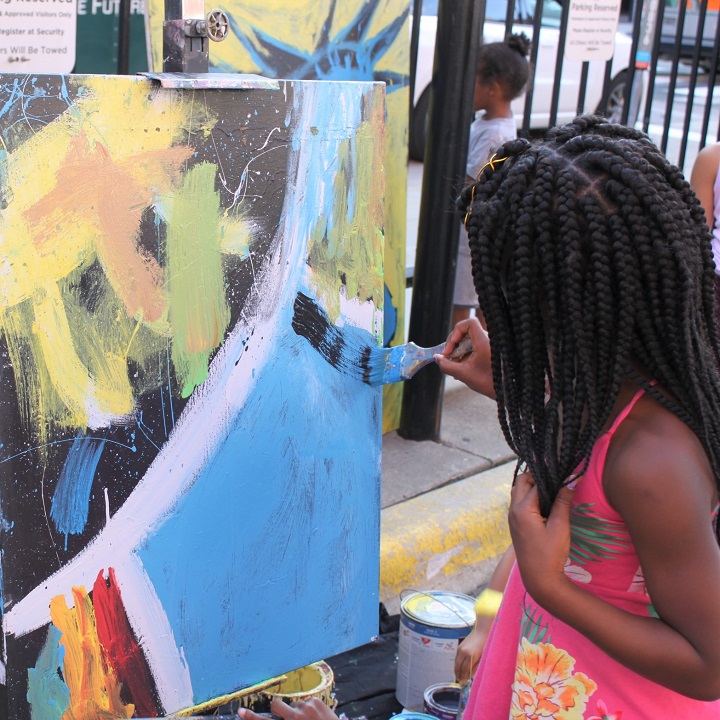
591, 259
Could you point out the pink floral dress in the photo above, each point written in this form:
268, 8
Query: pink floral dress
536, 667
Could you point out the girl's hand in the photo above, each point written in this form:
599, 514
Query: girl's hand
470, 650
474, 369
542, 546
312, 709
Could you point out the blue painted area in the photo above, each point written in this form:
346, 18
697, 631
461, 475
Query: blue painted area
271, 559
69, 509
48, 695
390, 318
15, 94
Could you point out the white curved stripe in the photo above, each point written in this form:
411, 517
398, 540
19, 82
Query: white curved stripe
155, 636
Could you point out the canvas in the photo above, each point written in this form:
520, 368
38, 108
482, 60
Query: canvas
189, 489
332, 40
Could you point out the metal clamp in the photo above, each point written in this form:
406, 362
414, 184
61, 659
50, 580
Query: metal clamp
187, 31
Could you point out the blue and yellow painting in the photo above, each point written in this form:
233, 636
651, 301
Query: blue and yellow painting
186, 484
333, 40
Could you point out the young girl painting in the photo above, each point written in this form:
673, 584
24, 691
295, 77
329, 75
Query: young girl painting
594, 272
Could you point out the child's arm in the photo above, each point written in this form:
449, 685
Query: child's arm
702, 179
471, 648
665, 492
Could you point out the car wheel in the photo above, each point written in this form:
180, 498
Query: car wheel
613, 104
418, 126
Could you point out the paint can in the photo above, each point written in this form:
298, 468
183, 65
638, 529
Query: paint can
432, 624
442, 700
312, 681
412, 716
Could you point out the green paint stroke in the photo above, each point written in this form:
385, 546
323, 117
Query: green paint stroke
349, 250
199, 314
48, 695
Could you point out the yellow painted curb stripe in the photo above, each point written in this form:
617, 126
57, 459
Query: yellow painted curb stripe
439, 534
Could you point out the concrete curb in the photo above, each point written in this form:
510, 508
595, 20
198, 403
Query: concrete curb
448, 539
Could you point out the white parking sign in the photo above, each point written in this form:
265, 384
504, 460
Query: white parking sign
591, 29
37, 35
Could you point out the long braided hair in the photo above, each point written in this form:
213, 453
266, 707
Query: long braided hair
592, 263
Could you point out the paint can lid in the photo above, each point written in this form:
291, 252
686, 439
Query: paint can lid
412, 716
440, 609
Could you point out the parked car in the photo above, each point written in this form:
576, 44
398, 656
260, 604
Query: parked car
690, 36
611, 102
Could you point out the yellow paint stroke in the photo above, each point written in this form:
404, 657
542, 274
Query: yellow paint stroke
68, 375
78, 189
94, 688
349, 254
396, 143
235, 236
36, 396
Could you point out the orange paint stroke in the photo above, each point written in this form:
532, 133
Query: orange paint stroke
94, 688
112, 196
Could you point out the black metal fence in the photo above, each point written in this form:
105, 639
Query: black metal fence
662, 78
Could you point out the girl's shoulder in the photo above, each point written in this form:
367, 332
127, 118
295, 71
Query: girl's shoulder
706, 165
709, 153
653, 450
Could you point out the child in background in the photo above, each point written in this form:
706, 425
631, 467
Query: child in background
501, 74
592, 262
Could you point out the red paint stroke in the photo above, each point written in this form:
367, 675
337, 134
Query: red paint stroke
120, 647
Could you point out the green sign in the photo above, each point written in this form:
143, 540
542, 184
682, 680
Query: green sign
98, 25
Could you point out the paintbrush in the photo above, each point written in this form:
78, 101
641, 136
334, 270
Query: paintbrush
347, 350
399, 363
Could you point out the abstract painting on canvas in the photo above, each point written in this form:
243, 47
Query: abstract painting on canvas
189, 490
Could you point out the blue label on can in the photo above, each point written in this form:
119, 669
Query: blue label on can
433, 631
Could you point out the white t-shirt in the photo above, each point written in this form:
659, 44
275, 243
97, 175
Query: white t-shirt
485, 137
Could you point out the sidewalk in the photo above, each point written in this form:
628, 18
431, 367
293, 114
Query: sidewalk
444, 504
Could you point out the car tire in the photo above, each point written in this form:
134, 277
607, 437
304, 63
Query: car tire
418, 126
613, 103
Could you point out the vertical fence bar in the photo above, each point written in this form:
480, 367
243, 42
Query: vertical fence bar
509, 15
712, 75
653, 63
607, 77
583, 87
558, 64
414, 45
692, 84
123, 62
673, 78
458, 32
633, 87
535, 48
